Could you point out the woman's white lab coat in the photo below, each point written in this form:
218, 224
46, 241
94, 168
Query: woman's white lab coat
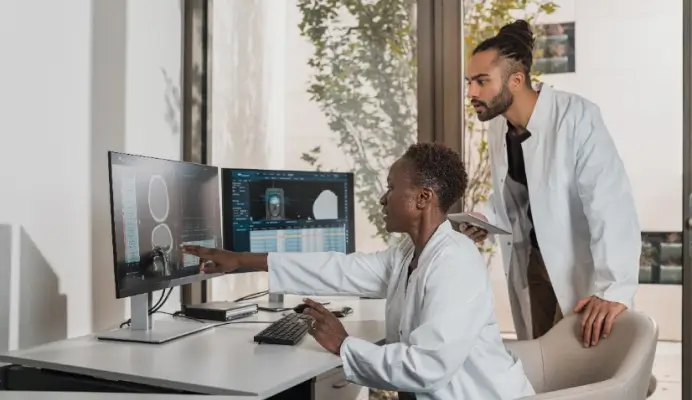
582, 206
443, 341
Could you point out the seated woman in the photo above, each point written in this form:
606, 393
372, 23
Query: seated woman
443, 341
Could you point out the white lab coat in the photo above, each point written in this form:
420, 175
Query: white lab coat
581, 202
443, 341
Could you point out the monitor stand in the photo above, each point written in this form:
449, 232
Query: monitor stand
143, 330
275, 303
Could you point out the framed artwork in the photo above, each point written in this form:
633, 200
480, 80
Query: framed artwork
554, 49
661, 259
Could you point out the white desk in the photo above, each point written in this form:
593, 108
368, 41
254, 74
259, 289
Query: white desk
220, 361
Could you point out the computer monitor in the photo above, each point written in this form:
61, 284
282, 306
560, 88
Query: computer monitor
157, 205
287, 211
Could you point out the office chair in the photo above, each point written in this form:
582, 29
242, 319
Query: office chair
619, 367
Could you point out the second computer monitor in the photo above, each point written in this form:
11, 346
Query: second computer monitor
287, 211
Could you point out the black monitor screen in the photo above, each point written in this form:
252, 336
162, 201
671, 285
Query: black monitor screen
287, 211
157, 205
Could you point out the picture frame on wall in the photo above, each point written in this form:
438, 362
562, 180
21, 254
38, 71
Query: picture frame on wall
554, 50
661, 258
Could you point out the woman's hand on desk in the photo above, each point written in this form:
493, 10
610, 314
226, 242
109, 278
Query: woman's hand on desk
326, 329
215, 261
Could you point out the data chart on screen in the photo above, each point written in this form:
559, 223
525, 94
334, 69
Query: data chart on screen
300, 240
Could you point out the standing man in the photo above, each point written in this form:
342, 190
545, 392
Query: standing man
561, 186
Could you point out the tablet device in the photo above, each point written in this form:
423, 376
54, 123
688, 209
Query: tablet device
471, 220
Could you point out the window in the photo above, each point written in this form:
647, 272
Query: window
308, 85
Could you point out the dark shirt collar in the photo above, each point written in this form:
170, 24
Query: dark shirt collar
511, 136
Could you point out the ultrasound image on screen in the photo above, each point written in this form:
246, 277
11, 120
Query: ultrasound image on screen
157, 205
272, 200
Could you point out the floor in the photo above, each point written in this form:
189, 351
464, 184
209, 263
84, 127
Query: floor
668, 371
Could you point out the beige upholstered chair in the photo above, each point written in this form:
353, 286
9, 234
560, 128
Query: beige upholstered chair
619, 367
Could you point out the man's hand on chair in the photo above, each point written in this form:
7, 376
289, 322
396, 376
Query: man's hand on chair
597, 317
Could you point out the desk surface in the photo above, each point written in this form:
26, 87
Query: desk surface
222, 360
9, 395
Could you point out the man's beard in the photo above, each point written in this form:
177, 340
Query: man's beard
498, 105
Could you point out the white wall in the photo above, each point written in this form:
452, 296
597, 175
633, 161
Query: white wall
80, 77
629, 62
44, 163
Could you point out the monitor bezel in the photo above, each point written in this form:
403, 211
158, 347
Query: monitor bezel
149, 287
350, 196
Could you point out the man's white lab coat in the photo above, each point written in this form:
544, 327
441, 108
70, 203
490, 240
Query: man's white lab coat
443, 341
582, 206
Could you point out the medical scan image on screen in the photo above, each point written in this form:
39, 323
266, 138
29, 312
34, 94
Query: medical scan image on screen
157, 206
284, 211
274, 200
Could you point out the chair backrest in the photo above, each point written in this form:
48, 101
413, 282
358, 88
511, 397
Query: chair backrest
558, 360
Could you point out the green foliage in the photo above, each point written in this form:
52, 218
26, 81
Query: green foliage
365, 82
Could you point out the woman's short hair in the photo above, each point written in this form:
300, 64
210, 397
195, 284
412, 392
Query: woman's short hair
439, 168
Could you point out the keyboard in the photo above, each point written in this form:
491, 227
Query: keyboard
289, 330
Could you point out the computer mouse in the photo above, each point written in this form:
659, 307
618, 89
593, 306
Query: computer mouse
300, 308
343, 312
